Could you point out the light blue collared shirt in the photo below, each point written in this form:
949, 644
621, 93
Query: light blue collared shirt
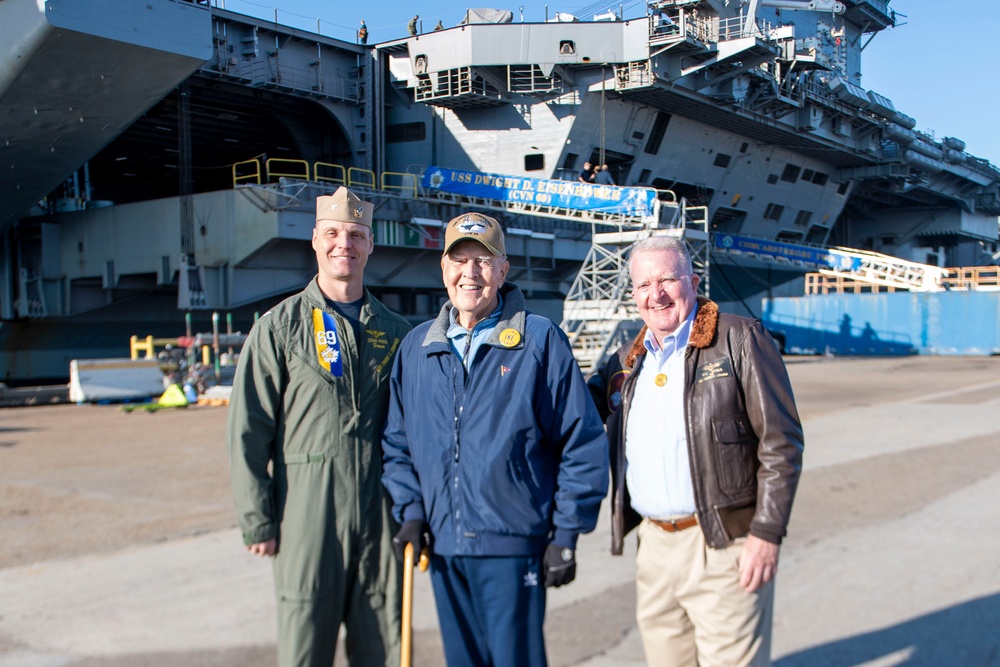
465, 342
658, 468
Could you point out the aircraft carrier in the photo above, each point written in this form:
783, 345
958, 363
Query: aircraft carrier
162, 157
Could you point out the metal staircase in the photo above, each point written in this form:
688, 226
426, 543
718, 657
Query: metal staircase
598, 312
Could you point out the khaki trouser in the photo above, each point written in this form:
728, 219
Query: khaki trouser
690, 608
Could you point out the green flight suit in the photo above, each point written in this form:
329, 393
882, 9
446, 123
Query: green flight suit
323, 498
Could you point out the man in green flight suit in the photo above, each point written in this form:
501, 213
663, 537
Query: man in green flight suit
310, 397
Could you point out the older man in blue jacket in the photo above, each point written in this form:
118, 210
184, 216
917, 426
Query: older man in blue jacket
494, 455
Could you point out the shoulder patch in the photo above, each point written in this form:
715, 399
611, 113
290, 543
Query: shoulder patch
614, 397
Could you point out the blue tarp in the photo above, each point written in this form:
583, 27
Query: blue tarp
947, 323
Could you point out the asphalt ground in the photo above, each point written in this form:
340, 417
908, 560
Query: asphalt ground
118, 545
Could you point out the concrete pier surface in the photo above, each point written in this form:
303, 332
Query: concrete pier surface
118, 545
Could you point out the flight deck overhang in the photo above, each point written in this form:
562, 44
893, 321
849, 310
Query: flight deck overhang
76, 73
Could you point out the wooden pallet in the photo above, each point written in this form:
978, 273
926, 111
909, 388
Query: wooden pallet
203, 400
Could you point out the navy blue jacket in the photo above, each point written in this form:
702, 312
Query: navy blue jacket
504, 459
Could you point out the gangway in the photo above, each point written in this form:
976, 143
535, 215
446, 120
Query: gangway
887, 271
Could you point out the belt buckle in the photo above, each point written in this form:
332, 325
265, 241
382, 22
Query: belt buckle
673, 523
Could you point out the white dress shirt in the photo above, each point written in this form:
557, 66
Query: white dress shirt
658, 468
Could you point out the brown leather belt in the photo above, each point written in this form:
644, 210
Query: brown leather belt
675, 525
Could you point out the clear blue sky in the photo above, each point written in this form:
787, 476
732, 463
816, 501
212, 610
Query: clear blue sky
938, 68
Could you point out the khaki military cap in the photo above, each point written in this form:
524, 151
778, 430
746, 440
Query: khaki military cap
344, 206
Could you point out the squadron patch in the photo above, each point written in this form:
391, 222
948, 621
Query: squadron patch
327, 342
714, 370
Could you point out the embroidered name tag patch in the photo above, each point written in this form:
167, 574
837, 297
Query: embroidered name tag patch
714, 370
377, 339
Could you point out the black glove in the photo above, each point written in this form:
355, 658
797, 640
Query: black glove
559, 564
413, 532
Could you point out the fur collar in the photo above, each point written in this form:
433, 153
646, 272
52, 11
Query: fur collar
703, 329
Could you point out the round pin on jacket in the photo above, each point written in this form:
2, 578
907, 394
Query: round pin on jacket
510, 337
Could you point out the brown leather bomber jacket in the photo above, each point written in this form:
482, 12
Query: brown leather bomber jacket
743, 430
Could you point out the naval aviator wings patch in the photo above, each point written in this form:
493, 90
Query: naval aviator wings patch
715, 370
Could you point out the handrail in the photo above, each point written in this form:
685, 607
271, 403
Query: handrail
329, 179
407, 182
365, 178
255, 176
967, 278
274, 174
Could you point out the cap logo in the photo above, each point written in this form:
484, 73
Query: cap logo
468, 226
359, 211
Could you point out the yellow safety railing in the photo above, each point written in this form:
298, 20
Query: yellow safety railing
242, 174
394, 180
148, 345
337, 174
282, 167
364, 178
249, 171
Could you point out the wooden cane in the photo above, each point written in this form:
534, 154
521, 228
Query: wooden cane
406, 643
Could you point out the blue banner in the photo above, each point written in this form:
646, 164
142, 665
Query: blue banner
821, 257
608, 199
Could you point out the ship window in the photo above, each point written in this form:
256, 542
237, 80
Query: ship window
569, 162
728, 220
656, 134
802, 219
772, 179
744, 146
638, 135
567, 47
788, 236
842, 190
817, 235
402, 132
644, 176
722, 160
791, 173
534, 162
773, 212
820, 178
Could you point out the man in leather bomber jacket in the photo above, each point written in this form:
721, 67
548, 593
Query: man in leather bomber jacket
703, 433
